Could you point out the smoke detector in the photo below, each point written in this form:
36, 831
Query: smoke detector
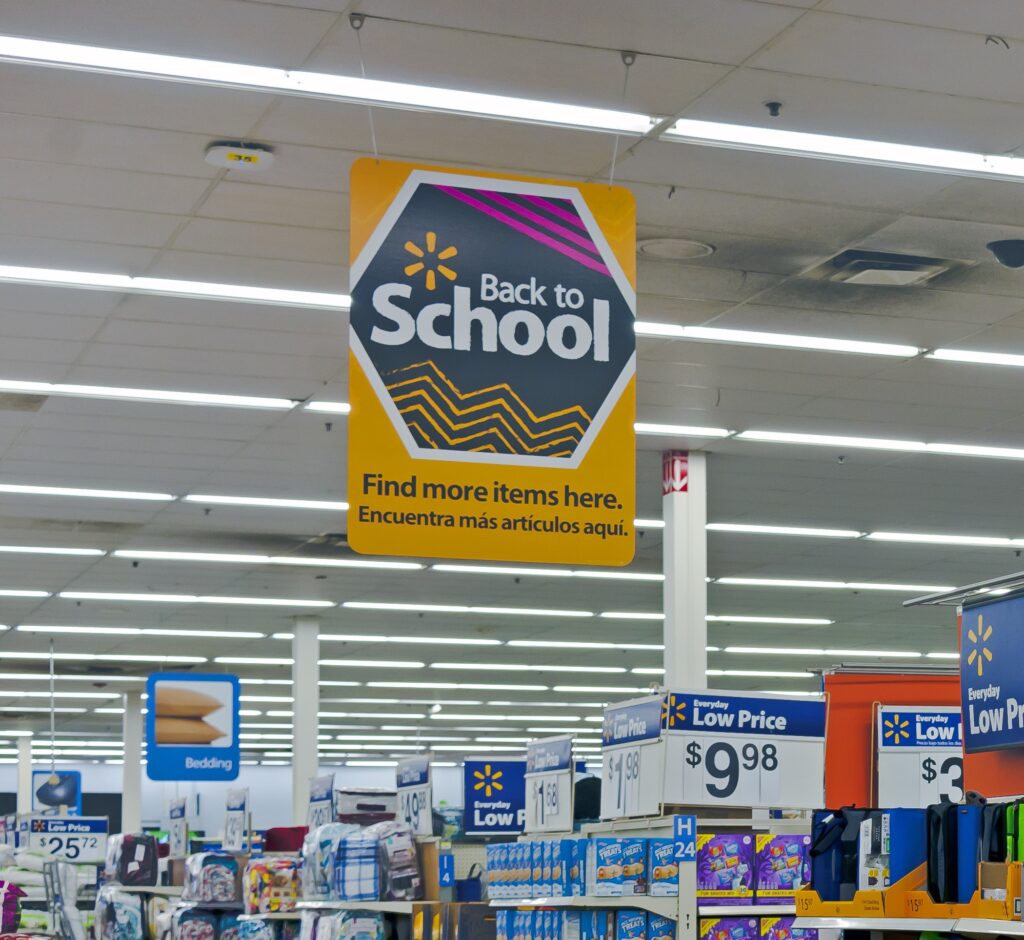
881, 268
239, 155
674, 249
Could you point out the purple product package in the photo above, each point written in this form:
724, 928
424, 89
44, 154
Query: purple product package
729, 928
783, 865
781, 928
725, 868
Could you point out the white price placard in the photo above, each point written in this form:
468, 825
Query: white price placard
920, 755
633, 749
549, 785
320, 810
77, 839
236, 820
177, 829
415, 793
724, 749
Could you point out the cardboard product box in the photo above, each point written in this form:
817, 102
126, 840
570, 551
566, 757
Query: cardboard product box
783, 865
430, 869
729, 928
634, 866
604, 868
630, 925
474, 922
660, 928
781, 928
547, 884
596, 925
502, 922
725, 868
662, 868
569, 925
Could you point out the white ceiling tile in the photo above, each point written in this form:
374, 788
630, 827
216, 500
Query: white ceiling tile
253, 202
262, 240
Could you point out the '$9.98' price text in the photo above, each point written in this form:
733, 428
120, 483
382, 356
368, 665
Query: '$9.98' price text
723, 763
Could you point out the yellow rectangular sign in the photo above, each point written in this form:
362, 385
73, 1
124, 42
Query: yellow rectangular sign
492, 366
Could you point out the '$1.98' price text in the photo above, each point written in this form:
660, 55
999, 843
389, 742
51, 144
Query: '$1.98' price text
723, 763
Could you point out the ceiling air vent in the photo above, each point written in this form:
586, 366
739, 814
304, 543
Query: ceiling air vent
881, 268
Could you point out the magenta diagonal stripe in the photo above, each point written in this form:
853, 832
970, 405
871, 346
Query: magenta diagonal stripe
535, 217
524, 229
548, 206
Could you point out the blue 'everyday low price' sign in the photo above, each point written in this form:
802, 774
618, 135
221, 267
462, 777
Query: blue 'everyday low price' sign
192, 727
495, 796
991, 681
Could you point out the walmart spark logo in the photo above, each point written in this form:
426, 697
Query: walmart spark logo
981, 653
673, 712
430, 258
896, 729
38, 825
488, 780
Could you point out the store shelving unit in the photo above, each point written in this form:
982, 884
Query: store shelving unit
664, 907
970, 926
276, 915
159, 891
746, 910
383, 907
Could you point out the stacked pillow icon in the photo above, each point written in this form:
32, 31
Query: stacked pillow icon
182, 715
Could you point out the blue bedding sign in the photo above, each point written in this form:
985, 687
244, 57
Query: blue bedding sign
192, 727
495, 796
991, 680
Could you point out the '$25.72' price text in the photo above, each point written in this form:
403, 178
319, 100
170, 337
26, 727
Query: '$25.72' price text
723, 763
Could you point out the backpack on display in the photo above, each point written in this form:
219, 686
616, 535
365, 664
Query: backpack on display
119, 915
132, 860
994, 818
399, 866
211, 877
835, 840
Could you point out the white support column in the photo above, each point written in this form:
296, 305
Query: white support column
685, 560
131, 780
306, 692
24, 804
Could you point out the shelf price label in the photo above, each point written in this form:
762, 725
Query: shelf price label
724, 749
415, 793
549, 785
634, 759
70, 839
920, 755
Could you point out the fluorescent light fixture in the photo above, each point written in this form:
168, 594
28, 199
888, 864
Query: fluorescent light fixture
522, 667
371, 763
648, 671
836, 585
251, 559
44, 550
631, 615
253, 661
61, 677
474, 686
600, 689
942, 655
371, 638
794, 341
845, 149
170, 287
986, 541
43, 693
801, 651
649, 523
192, 599
795, 621
679, 430
595, 573
373, 663
445, 716
760, 673
460, 609
746, 529
584, 645
329, 407
32, 490
15, 592
106, 657
319, 85
160, 396
878, 443
43, 709
978, 357
144, 631
324, 505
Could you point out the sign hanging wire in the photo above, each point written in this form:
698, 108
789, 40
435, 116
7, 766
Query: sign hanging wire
356, 20
628, 58
53, 732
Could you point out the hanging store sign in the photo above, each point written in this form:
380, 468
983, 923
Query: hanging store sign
192, 727
320, 809
991, 682
71, 839
415, 793
494, 796
633, 750
920, 755
549, 785
58, 792
492, 366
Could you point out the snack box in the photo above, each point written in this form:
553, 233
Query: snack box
634, 866
662, 868
729, 928
783, 866
660, 928
502, 922
596, 925
604, 868
631, 925
781, 928
725, 868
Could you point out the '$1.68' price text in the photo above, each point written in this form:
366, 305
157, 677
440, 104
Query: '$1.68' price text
723, 763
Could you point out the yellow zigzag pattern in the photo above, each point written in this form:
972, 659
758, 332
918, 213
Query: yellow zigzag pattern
493, 419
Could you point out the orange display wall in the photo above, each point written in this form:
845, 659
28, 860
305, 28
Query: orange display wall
849, 742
